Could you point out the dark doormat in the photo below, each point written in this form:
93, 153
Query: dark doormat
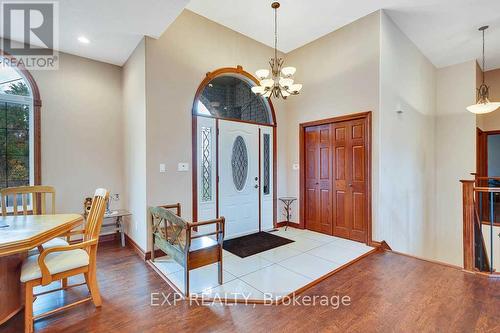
248, 245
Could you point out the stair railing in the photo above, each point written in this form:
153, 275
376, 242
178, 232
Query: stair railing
475, 252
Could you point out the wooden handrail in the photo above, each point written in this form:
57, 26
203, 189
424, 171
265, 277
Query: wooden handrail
486, 177
487, 189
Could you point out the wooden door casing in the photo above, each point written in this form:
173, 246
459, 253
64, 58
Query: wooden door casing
343, 181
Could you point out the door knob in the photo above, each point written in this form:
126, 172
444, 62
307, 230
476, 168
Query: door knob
256, 186
256, 178
350, 185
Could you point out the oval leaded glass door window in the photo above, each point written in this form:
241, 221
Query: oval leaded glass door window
239, 163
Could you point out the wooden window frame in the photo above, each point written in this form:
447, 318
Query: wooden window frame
37, 106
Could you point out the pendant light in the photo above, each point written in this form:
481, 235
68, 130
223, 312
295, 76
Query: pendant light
483, 104
280, 84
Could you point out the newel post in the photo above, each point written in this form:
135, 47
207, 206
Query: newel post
468, 223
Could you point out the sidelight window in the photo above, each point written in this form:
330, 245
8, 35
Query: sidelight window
267, 164
206, 164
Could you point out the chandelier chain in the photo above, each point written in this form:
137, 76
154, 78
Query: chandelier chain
484, 62
275, 33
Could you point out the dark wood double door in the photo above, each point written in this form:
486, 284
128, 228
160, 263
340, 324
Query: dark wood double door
336, 178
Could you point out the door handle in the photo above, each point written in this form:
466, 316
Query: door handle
350, 185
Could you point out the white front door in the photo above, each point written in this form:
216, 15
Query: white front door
239, 177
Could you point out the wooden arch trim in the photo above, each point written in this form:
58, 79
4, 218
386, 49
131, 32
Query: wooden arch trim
194, 137
37, 106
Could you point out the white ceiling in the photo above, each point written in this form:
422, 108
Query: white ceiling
444, 30
114, 27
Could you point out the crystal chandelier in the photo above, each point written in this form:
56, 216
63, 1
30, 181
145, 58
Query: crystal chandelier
483, 104
280, 84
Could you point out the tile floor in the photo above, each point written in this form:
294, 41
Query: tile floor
270, 274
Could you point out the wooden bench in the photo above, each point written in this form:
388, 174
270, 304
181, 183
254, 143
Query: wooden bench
180, 240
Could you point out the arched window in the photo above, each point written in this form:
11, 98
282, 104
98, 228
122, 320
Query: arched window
19, 128
228, 95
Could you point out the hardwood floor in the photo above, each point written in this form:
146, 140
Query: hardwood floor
389, 293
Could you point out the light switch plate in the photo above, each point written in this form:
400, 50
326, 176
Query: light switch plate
295, 166
183, 166
163, 168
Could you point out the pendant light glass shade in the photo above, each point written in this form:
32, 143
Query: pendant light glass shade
267, 83
262, 73
258, 90
295, 88
288, 71
482, 108
286, 82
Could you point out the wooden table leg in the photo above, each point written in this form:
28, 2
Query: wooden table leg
11, 288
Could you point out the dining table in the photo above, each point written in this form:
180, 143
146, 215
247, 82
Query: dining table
18, 235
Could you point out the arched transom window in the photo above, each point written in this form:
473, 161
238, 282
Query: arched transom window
230, 96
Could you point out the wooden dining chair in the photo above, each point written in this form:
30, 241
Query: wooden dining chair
33, 202
61, 262
37, 195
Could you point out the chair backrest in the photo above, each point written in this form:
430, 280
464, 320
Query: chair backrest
96, 214
36, 192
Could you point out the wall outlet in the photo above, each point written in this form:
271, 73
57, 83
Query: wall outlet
183, 166
295, 166
163, 168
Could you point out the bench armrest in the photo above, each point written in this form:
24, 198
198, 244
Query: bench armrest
219, 228
220, 220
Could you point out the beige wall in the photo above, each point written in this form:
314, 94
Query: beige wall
134, 138
491, 121
407, 193
340, 74
455, 156
175, 66
82, 146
